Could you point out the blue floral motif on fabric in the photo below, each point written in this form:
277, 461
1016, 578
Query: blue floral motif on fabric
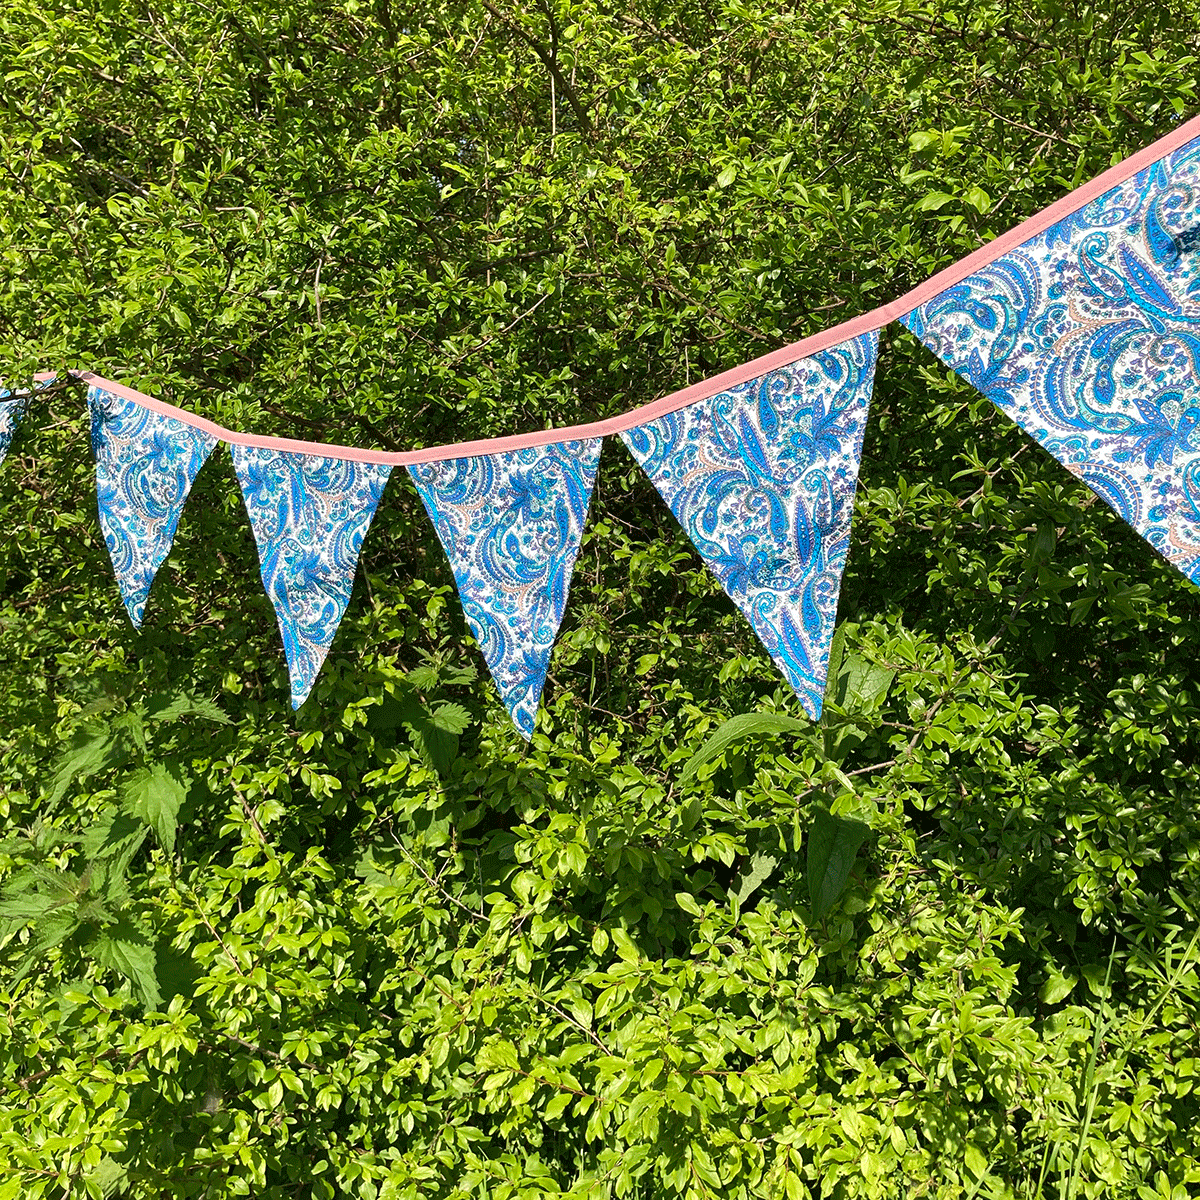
1088, 336
11, 412
762, 478
510, 525
146, 463
310, 515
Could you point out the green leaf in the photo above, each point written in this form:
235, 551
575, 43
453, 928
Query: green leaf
434, 734
28, 906
92, 748
437, 746
625, 946
727, 176
450, 718
109, 1176
113, 841
154, 795
47, 933
456, 675
176, 971
837, 648
23, 883
833, 843
170, 707
743, 725
977, 198
687, 902
934, 201
924, 140
131, 724
115, 834
757, 873
423, 678
127, 950
396, 711
1044, 543
975, 1161
101, 705
863, 685
1057, 988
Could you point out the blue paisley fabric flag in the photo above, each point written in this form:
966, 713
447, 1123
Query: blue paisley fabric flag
510, 524
309, 515
11, 412
1088, 336
762, 478
146, 464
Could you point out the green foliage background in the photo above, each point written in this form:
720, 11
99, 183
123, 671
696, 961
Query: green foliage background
383, 949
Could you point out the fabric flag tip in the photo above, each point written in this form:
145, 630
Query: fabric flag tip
510, 524
13, 406
762, 478
309, 515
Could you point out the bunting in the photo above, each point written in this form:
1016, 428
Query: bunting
762, 478
1088, 336
510, 525
146, 464
1082, 325
309, 515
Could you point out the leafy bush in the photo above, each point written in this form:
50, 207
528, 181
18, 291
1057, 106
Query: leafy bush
942, 945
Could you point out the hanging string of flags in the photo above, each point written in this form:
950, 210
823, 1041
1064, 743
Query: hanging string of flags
1082, 324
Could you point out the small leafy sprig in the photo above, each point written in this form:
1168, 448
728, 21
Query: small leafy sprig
855, 690
434, 726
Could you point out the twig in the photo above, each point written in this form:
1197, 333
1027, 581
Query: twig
195, 901
433, 883
487, 341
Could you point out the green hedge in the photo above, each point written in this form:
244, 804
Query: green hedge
382, 948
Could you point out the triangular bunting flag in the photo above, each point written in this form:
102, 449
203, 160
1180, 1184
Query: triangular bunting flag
146, 464
762, 478
1088, 336
11, 412
510, 524
309, 515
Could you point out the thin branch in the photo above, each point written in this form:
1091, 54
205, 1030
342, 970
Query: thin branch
549, 62
487, 341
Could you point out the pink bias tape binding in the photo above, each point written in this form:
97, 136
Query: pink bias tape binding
867, 322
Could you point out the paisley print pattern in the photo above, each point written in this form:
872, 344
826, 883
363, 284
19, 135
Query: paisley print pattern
11, 412
309, 515
510, 524
762, 478
146, 464
1088, 336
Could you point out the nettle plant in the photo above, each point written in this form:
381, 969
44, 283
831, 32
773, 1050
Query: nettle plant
854, 693
78, 890
86, 890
